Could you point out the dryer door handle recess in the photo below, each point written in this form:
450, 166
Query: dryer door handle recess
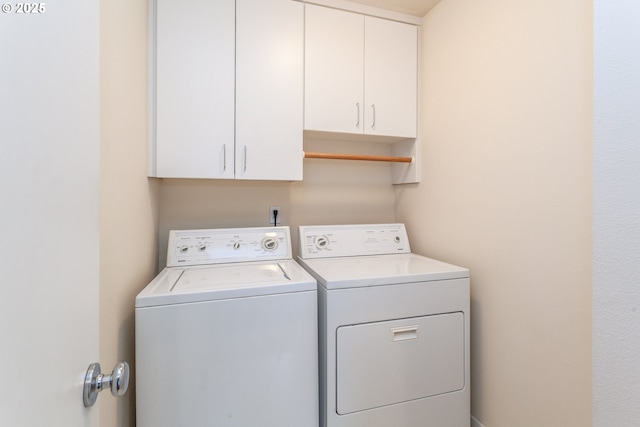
404, 333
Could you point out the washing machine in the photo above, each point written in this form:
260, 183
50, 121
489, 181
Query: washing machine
393, 329
226, 334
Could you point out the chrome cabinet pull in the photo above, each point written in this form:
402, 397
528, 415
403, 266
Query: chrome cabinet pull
224, 156
244, 156
95, 382
373, 107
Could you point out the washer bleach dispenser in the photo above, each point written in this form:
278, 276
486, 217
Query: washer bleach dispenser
393, 329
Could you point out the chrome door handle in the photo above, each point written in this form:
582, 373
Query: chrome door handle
95, 382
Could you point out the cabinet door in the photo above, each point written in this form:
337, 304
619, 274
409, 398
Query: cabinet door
194, 92
334, 63
391, 74
269, 89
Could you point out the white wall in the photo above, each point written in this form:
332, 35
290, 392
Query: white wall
506, 191
616, 294
128, 219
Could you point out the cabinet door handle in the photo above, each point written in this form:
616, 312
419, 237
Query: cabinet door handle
244, 158
373, 124
357, 114
224, 156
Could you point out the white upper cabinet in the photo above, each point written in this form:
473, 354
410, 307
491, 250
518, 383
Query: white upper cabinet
334, 64
194, 88
269, 89
227, 89
360, 74
390, 78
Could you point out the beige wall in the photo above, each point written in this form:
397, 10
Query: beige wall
506, 191
128, 222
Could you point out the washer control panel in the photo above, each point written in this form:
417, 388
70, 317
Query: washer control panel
225, 245
353, 240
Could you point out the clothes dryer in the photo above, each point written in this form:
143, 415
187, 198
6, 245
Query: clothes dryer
394, 329
226, 334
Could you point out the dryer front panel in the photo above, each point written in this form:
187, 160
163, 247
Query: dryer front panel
390, 362
378, 370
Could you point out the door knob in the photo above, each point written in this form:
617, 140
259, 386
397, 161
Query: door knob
95, 382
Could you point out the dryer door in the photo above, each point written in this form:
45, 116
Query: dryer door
385, 363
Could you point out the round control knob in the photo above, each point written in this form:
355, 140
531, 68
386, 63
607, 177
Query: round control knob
202, 247
270, 244
396, 239
322, 242
183, 249
236, 245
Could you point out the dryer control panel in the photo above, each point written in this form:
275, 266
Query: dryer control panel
225, 245
353, 240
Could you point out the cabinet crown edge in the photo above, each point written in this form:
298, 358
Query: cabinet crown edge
367, 10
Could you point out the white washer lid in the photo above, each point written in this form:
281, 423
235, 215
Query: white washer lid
175, 285
376, 270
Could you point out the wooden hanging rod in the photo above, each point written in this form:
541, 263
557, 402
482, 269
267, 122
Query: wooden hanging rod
333, 156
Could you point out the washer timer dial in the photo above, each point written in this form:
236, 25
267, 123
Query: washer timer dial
321, 242
270, 243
